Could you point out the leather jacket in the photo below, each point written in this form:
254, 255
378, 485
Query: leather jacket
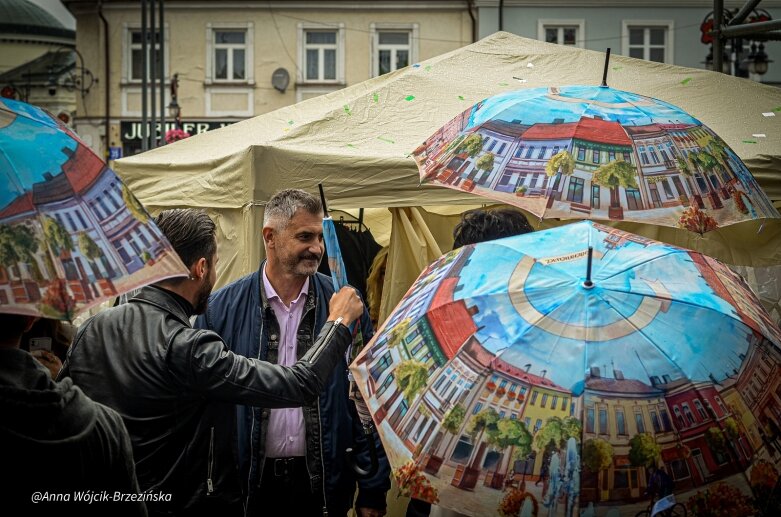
176, 388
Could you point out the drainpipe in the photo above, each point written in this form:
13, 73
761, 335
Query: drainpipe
107, 81
469, 6
501, 15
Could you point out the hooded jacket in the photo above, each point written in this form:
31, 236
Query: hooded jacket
242, 315
176, 387
59, 446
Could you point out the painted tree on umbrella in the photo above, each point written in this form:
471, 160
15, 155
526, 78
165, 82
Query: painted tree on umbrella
594, 153
512, 385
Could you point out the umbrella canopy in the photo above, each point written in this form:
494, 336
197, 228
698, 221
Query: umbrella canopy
505, 380
71, 233
594, 152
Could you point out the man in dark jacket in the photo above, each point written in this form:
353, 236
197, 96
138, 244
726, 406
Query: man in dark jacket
57, 446
176, 387
293, 462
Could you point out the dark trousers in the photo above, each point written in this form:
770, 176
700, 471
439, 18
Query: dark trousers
285, 490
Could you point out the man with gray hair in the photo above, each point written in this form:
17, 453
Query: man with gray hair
293, 461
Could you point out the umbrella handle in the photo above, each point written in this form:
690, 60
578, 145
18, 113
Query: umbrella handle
368, 432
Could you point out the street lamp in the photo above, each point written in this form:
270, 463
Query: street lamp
173, 107
758, 65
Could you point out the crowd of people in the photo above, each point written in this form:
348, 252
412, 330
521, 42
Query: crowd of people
184, 401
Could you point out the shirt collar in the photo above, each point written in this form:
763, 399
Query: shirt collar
271, 293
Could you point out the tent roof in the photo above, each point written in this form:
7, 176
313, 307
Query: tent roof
357, 141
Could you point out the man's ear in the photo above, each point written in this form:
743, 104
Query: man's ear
199, 269
268, 235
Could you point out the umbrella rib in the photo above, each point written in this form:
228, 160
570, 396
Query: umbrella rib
646, 261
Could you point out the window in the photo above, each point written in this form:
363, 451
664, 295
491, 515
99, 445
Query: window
534, 397
135, 57
527, 422
393, 46
529, 152
649, 40
603, 421
320, 55
561, 32
594, 196
688, 412
575, 190
553, 402
668, 192
541, 154
700, 410
620, 423
477, 408
230, 55
590, 420
595, 156
655, 422
581, 153
633, 201
501, 148
611, 155
628, 157
384, 386
564, 402
679, 417
643, 156
639, 422
381, 365
544, 400
537, 425
679, 469
654, 156
666, 424
519, 152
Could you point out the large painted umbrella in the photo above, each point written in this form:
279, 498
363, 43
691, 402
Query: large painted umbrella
594, 152
71, 233
547, 373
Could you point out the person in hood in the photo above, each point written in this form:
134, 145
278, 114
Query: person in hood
61, 452
176, 387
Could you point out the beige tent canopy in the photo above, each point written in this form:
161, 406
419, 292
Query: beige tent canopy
357, 141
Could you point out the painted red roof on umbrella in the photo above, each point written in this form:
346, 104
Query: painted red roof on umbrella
550, 131
617, 386
83, 168
451, 321
517, 373
505, 128
20, 205
643, 130
601, 131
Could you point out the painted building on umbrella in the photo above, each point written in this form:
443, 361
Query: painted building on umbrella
615, 409
446, 133
663, 183
526, 168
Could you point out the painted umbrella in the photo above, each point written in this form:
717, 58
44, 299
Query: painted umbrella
509, 379
593, 152
71, 233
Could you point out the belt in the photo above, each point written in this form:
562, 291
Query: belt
285, 467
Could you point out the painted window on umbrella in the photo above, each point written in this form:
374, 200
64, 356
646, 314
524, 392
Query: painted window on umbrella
679, 469
575, 190
590, 420
527, 422
519, 151
553, 402
581, 154
668, 191
544, 400
647, 42
381, 365
477, 408
463, 450
620, 422
633, 200
655, 199
603, 423
640, 422
643, 155
533, 400
529, 152
721, 405
564, 403
394, 50
384, 386
320, 55
628, 157
666, 424
537, 425
700, 410
541, 154
688, 412
595, 156
679, 417
501, 149
594, 196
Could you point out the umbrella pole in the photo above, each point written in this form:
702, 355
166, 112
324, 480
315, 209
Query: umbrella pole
604, 73
588, 284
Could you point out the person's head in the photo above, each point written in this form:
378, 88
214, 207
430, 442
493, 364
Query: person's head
486, 225
293, 233
14, 325
192, 234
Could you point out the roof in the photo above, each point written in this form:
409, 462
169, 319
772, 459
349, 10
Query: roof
619, 386
25, 18
83, 168
41, 69
643, 130
550, 131
451, 321
517, 373
505, 128
601, 131
20, 205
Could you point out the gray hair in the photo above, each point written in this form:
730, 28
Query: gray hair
283, 205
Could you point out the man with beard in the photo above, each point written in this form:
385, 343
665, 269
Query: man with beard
293, 461
176, 387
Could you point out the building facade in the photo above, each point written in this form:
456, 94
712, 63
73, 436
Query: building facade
226, 52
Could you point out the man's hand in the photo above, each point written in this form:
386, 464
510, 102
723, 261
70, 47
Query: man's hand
369, 512
347, 304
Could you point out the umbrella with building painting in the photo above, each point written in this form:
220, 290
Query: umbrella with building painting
71, 234
512, 378
594, 153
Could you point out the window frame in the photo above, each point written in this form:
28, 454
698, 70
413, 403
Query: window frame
560, 24
669, 47
127, 53
249, 54
374, 43
340, 30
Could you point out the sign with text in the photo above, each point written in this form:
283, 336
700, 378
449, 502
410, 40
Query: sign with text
131, 130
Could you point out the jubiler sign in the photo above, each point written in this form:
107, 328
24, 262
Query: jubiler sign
132, 130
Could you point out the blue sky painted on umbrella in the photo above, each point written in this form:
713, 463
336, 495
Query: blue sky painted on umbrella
534, 106
28, 149
679, 342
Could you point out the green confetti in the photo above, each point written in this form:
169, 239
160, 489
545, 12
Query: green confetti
350, 145
504, 84
347, 109
686, 81
289, 122
409, 98
388, 140
460, 97
617, 67
749, 141
375, 97
428, 68
777, 108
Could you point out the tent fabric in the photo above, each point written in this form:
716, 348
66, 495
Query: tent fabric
357, 142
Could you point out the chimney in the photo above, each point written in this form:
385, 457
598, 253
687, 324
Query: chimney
558, 121
618, 374
598, 117
517, 121
48, 176
667, 379
595, 372
474, 309
655, 381
68, 152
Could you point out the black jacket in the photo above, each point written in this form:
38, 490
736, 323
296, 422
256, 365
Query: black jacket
176, 388
57, 442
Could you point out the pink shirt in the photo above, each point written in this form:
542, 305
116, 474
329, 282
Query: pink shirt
285, 435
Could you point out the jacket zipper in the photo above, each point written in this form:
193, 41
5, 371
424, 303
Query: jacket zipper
326, 340
209, 482
252, 427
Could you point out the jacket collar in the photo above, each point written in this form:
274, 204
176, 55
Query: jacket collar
311, 296
167, 301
